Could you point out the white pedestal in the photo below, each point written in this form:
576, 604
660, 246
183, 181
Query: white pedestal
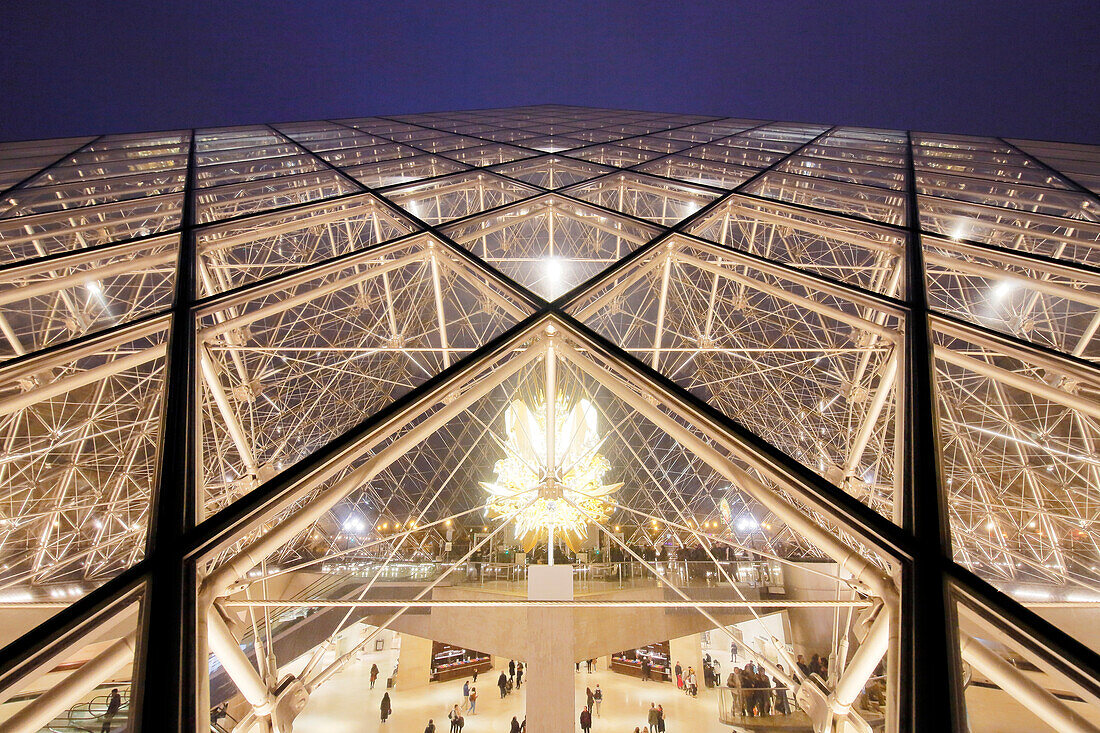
550, 678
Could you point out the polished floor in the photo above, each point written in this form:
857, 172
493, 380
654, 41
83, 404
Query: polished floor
346, 704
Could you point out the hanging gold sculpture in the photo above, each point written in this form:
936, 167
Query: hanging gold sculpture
570, 489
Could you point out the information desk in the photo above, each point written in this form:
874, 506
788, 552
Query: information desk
630, 661
453, 662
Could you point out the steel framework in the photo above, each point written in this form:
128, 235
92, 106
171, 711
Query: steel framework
246, 350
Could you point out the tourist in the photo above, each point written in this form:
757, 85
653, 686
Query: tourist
763, 691
692, 682
733, 652
589, 697
652, 719
430, 727
597, 699
591, 665
502, 683
465, 695
737, 706
373, 675
113, 705
473, 701
453, 716
660, 719
515, 726
519, 675
511, 669
385, 707
645, 669
781, 705
679, 677
586, 720
815, 665
747, 692
805, 670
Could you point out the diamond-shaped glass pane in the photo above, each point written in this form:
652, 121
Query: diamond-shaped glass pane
550, 244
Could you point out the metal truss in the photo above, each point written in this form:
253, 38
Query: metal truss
234, 353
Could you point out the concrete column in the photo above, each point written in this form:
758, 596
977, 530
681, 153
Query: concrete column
550, 676
688, 651
414, 662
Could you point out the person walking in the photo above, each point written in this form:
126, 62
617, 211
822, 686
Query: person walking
511, 669
597, 699
679, 677
763, 689
519, 675
473, 701
645, 669
734, 683
465, 695
373, 675
114, 703
453, 716
660, 719
515, 726
589, 697
586, 721
781, 705
652, 718
733, 652
430, 727
385, 707
502, 683
692, 682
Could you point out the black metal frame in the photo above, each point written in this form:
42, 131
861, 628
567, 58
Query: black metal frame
929, 695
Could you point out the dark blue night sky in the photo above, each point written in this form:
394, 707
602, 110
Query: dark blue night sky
1029, 69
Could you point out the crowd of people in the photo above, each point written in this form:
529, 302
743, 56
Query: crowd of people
755, 694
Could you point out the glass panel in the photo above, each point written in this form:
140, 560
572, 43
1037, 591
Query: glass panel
1012, 196
96, 663
872, 203
445, 199
552, 171
488, 154
257, 248
657, 200
29, 237
289, 365
1032, 300
710, 173
1016, 430
229, 201
615, 155
847, 171
1004, 679
1081, 163
732, 155
90, 193
806, 366
65, 298
81, 427
403, 170
843, 249
1063, 239
550, 245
